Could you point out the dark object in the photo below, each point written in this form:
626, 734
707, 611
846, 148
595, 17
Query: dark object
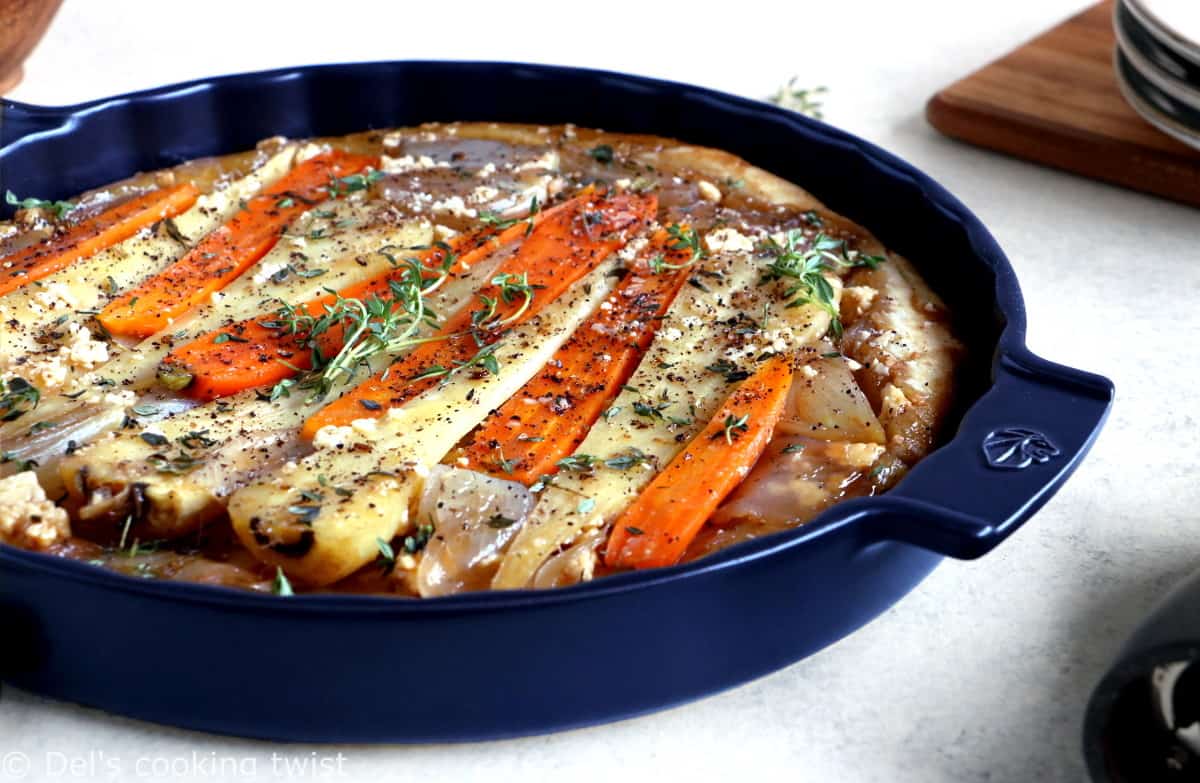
1156, 49
1168, 114
1055, 101
1143, 720
339, 668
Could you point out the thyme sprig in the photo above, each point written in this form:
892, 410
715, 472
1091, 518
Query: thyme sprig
372, 326
806, 267
60, 208
681, 239
803, 100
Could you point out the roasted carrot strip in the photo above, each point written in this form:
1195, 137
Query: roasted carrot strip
253, 354
227, 252
551, 415
657, 528
92, 235
564, 247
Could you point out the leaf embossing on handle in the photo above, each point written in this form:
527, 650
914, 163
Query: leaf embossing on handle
1016, 448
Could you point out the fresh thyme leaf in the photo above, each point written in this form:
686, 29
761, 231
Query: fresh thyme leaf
197, 439
799, 99
17, 397
793, 448
803, 267
733, 426
634, 531
631, 458
414, 544
602, 153
59, 208
586, 505
144, 409
341, 186
578, 462
387, 555
730, 370
372, 326
41, 426
506, 465
285, 202
650, 411
226, 337
184, 463
154, 438
281, 585
681, 239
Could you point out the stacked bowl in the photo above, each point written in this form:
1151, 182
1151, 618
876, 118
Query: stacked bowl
1157, 62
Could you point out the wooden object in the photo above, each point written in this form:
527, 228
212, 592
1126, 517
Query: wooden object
22, 23
1055, 101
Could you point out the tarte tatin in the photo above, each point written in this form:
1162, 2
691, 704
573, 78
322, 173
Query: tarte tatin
448, 358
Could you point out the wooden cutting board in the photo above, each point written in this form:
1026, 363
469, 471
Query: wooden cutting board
1055, 101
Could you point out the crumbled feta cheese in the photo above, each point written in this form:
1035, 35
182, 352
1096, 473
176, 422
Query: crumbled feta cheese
486, 171
709, 191
27, 517
332, 436
808, 371
455, 206
861, 455
623, 183
267, 269
409, 163
365, 427
547, 160
728, 239
484, 193
56, 296
859, 297
81, 350
671, 334
635, 246
443, 233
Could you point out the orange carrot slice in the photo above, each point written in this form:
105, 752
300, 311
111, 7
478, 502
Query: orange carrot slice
93, 235
252, 354
564, 247
551, 415
657, 528
227, 252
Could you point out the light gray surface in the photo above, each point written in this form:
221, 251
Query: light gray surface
980, 674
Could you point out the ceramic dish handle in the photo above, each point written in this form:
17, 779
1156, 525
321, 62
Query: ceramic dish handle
1014, 448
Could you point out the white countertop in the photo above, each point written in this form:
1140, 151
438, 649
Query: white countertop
982, 673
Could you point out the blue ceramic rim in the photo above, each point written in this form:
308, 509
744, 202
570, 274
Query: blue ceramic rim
1010, 344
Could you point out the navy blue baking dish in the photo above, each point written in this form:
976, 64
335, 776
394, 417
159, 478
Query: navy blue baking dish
472, 667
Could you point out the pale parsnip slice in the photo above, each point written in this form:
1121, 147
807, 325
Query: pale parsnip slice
250, 437
379, 463
89, 284
702, 329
